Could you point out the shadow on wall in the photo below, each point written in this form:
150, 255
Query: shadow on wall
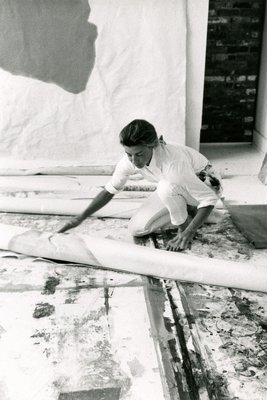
48, 40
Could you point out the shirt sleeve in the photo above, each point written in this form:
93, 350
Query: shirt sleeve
183, 174
198, 160
120, 176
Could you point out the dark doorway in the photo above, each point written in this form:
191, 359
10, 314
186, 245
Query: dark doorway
232, 64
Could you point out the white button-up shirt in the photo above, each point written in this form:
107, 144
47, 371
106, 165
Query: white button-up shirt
175, 164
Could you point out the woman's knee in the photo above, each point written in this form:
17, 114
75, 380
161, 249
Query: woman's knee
137, 226
151, 216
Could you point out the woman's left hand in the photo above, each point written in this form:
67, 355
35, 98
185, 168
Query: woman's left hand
181, 241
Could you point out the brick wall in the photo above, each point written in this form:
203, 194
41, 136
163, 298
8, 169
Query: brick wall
232, 63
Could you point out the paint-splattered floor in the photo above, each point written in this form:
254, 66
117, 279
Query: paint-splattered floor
83, 330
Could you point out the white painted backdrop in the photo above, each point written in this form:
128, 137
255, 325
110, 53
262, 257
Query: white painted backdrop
139, 72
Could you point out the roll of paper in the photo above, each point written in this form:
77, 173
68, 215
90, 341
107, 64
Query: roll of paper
115, 209
128, 257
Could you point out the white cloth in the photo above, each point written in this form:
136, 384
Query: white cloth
177, 165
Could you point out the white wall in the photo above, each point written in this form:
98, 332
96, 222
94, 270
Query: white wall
260, 133
197, 24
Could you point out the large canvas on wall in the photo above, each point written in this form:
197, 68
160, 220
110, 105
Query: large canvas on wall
74, 72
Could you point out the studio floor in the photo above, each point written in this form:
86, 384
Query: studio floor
76, 332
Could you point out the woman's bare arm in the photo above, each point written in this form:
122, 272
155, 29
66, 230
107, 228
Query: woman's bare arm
96, 204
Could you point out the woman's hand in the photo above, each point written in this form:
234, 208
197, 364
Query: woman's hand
71, 224
181, 241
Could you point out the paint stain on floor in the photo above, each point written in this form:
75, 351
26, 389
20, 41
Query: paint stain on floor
43, 310
136, 367
50, 285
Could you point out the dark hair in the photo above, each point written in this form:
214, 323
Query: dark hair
139, 132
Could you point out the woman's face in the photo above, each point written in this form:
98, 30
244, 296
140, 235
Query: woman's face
139, 155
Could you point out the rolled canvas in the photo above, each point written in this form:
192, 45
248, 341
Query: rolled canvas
128, 257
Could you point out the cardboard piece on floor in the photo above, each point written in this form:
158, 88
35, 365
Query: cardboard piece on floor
92, 394
263, 171
251, 220
122, 256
